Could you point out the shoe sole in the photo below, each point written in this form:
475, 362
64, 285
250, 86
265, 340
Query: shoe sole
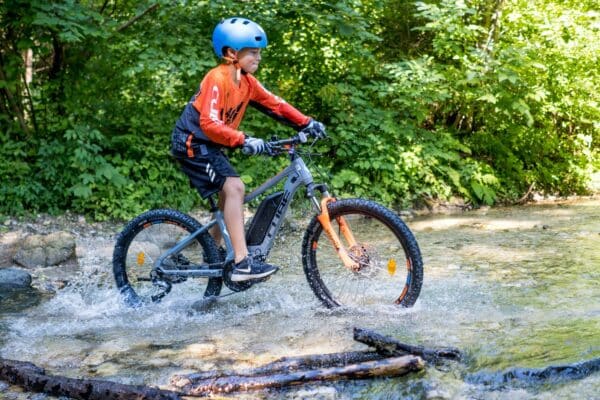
242, 278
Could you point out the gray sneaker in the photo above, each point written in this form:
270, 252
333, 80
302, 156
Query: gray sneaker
250, 268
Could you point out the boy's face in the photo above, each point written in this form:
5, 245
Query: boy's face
249, 58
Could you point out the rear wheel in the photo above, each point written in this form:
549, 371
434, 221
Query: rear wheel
390, 268
144, 240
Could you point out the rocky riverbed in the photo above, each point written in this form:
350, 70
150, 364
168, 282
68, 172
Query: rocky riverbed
46, 252
505, 285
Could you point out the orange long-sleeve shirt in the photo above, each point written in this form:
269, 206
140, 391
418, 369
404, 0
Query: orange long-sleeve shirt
215, 112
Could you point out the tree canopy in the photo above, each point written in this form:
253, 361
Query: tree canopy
429, 99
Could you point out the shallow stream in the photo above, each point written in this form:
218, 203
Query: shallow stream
510, 287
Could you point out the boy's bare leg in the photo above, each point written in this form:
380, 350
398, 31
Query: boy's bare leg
232, 200
215, 231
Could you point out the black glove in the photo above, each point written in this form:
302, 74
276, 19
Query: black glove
254, 146
315, 129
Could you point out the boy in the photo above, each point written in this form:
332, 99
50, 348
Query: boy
209, 123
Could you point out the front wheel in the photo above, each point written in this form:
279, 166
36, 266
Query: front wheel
390, 268
144, 240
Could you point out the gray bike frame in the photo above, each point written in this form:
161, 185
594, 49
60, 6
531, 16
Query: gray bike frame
297, 174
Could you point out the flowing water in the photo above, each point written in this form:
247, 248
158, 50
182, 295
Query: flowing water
510, 287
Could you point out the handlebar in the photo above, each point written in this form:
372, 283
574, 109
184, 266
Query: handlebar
275, 146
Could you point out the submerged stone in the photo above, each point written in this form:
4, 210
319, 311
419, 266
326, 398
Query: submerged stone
14, 278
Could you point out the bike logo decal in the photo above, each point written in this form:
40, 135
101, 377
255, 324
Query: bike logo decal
278, 214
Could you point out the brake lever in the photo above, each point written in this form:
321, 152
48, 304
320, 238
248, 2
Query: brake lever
274, 150
302, 137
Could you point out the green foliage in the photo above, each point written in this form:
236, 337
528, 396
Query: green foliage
426, 99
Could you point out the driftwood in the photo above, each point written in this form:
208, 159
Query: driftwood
524, 376
391, 347
283, 365
380, 368
34, 379
392, 358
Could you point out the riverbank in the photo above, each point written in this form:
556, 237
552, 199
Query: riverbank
95, 240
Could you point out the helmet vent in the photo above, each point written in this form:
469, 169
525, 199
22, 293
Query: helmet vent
258, 38
233, 21
246, 22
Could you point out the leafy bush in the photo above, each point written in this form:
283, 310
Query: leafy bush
422, 100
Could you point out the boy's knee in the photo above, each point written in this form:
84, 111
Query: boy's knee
234, 186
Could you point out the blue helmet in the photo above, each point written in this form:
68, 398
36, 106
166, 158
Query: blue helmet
237, 33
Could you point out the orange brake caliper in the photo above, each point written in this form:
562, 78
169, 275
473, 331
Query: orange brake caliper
333, 236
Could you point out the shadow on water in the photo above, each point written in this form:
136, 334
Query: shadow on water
520, 377
511, 287
15, 300
12, 302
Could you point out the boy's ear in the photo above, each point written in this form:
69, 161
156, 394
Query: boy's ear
229, 52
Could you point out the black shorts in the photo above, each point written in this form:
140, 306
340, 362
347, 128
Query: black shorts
208, 172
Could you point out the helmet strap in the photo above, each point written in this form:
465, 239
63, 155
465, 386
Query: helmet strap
236, 63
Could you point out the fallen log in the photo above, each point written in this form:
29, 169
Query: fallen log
391, 347
34, 379
283, 365
535, 376
395, 366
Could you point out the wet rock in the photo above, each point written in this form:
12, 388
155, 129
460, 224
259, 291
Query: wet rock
437, 394
195, 364
200, 350
107, 369
8, 245
45, 250
14, 278
321, 393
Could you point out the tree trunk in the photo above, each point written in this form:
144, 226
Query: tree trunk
14, 102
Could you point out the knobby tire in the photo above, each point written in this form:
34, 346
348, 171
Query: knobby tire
391, 270
154, 232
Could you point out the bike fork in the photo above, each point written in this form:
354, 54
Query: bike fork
341, 251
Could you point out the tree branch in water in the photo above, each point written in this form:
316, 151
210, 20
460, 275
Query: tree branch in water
388, 346
34, 379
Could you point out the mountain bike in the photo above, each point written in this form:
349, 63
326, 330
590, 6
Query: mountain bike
355, 251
